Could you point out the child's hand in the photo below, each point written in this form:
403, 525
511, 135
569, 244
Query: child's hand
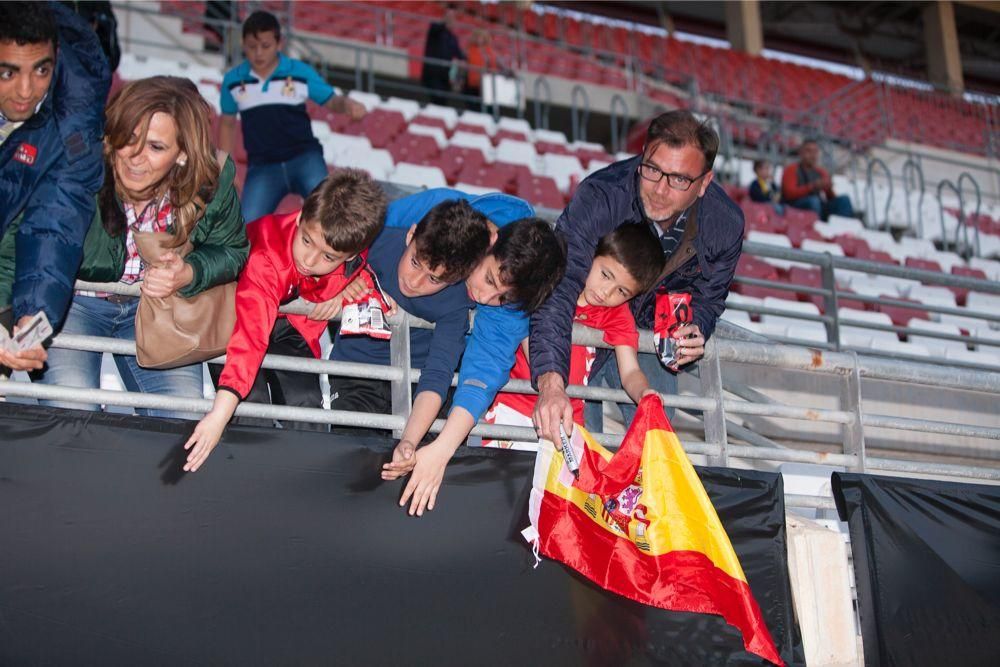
325, 310
355, 289
204, 439
403, 460
426, 479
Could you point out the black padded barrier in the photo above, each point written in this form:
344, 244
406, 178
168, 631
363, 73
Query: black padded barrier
287, 549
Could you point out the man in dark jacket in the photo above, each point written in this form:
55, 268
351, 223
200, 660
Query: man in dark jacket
668, 187
54, 80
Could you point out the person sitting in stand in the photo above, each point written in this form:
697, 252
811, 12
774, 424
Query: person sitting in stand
763, 189
806, 185
627, 262
269, 91
525, 261
313, 253
162, 174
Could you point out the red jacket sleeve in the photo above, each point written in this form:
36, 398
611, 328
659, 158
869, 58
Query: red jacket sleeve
258, 295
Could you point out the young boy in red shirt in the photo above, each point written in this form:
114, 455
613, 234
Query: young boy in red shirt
314, 254
627, 262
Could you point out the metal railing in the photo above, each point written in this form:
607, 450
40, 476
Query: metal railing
714, 405
832, 294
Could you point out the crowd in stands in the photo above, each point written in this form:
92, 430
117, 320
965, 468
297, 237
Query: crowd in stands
142, 195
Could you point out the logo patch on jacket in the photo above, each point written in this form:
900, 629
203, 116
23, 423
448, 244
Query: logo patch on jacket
26, 153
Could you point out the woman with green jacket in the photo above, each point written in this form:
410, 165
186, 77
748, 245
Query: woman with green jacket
161, 174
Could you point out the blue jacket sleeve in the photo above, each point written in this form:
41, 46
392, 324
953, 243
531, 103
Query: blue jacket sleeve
49, 242
447, 345
410, 210
489, 356
588, 217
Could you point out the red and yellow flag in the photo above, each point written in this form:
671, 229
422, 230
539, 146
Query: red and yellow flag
640, 524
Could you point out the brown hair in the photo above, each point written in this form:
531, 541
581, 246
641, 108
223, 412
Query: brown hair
637, 249
350, 208
190, 186
453, 235
681, 128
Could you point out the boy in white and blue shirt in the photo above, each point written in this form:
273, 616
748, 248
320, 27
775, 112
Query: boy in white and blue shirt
269, 91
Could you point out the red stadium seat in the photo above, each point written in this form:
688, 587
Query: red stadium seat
540, 191
899, 315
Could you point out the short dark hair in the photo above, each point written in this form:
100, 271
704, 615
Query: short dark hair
350, 208
807, 141
27, 23
637, 249
757, 164
681, 128
259, 22
532, 259
453, 235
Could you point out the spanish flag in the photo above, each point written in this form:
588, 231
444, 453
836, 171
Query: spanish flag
640, 524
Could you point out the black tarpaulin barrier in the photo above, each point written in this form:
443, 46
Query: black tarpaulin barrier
927, 566
286, 548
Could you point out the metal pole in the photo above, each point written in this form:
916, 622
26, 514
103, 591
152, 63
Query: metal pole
579, 118
715, 419
966, 176
399, 357
854, 433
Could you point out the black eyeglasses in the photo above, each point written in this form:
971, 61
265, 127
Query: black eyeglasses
652, 173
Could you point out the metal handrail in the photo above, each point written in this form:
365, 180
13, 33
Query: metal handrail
579, 118
720, 349
961, 212
542, 105
966, 176
870, 193
913, 175
619, 123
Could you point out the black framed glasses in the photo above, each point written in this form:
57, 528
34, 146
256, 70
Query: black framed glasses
654, 174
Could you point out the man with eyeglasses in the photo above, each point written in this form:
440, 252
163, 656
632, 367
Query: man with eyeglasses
670, 188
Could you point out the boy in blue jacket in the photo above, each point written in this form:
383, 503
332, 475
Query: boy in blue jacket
525, 262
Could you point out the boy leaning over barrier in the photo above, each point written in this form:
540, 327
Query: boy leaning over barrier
421, 268
314, 254
627, 262
525, 261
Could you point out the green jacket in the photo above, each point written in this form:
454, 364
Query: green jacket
219, 239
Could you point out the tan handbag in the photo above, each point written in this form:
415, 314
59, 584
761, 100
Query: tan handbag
177, 331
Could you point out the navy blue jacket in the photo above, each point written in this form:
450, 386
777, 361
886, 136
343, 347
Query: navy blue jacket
703, 264
50, 169
435, 353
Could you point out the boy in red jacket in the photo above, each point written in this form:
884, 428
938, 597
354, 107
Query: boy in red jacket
627, 262
313, 254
